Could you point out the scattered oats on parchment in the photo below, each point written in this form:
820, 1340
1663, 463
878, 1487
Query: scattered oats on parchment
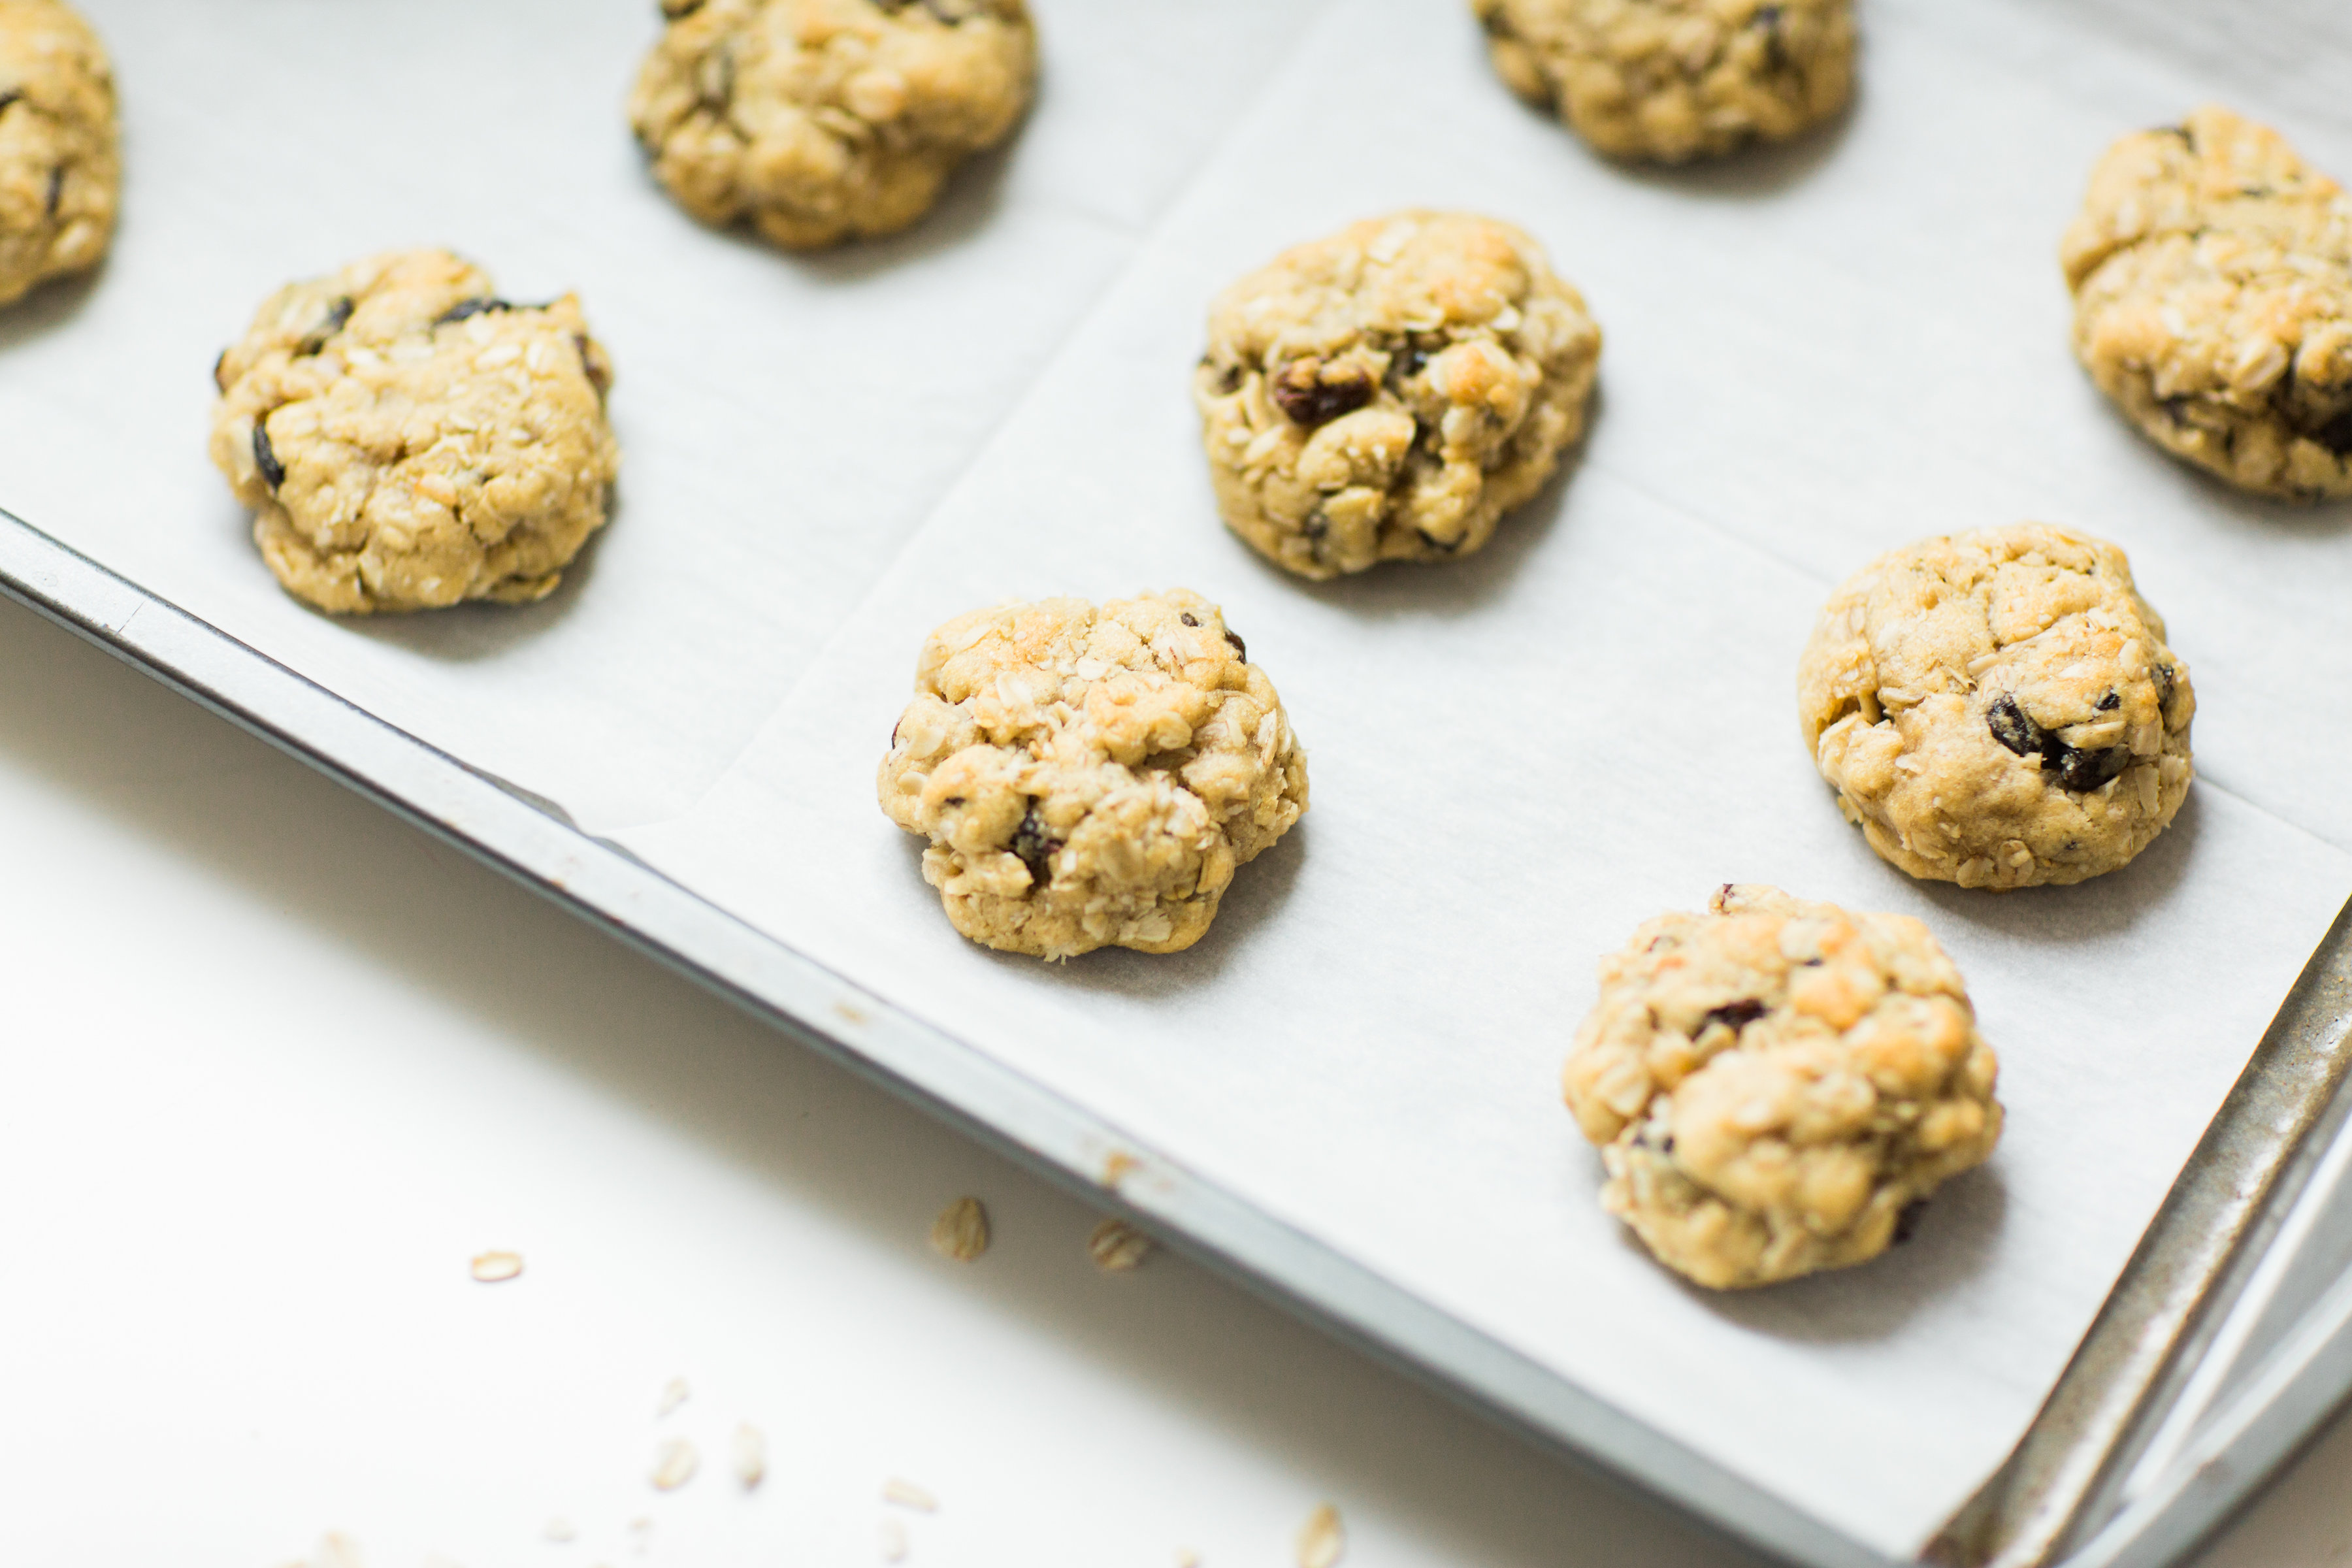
497, 1267
1117, 1247
962, 1230
675, 1394
893, 1541
675, 1463
907, 1494
750, 1456
1188, 1558
1321, 1540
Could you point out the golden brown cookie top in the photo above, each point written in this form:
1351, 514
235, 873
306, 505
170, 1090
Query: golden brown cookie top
2212, 274
1675, 80
1387, 392
1090, 776
1999, 707
60, 161
818, 120
1777, 1080
423, 440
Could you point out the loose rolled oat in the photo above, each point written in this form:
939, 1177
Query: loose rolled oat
675, 1463
60, 146
962, 1230
2212, 276
497, 1267
750, 1450
1118, 1246
1091, 776
1675, 80
1322, 1540
907, 1494
1999, 709
1386, 394
408, 440
821, 121
1776, 1084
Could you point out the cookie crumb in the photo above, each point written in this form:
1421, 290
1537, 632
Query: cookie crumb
1321, 1540
893, 1541
1118, 1246
675, 1463
672, 1395
497, 1267
962, 1230
750, 1456
907, 1494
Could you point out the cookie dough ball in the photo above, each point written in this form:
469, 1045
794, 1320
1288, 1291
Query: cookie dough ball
60, 159
408, 440
2213, 277
821, 121
1089, 776
1999, 709
1776, 1085
1389, 393
1675, 80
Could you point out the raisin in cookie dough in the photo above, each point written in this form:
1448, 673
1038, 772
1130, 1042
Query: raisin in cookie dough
2213, 276
1776, 1083
821, 121
60, 158
408, 440
1090, 777
1386, 394
1675, 80
1999, 709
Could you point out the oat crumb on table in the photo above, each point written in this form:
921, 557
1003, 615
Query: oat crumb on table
408, 440
750, 1452
496, 1268
1117, 1247
1322, 1539
907, 1494
1387, 392
1999, 709
2213, 276
821, 121
1090, 776
675, 1464
1675, 80
1775, 1085
962, 1230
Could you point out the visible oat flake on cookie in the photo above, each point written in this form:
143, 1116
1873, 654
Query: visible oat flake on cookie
1090, 776
821, 121
1386, 394
1675, 80
2212, 276
1999, 709
60, 145
408, 440
1776, 1085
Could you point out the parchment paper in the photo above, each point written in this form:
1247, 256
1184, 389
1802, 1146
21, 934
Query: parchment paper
1813, 354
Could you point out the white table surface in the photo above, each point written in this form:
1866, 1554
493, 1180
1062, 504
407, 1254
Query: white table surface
278, 1065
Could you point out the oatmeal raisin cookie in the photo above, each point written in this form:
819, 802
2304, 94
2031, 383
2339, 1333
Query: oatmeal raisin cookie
1776, 1085
1090, 777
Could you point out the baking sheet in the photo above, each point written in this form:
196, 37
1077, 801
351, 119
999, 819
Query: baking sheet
1813, 355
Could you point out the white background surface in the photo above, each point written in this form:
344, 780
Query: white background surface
276, 1066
